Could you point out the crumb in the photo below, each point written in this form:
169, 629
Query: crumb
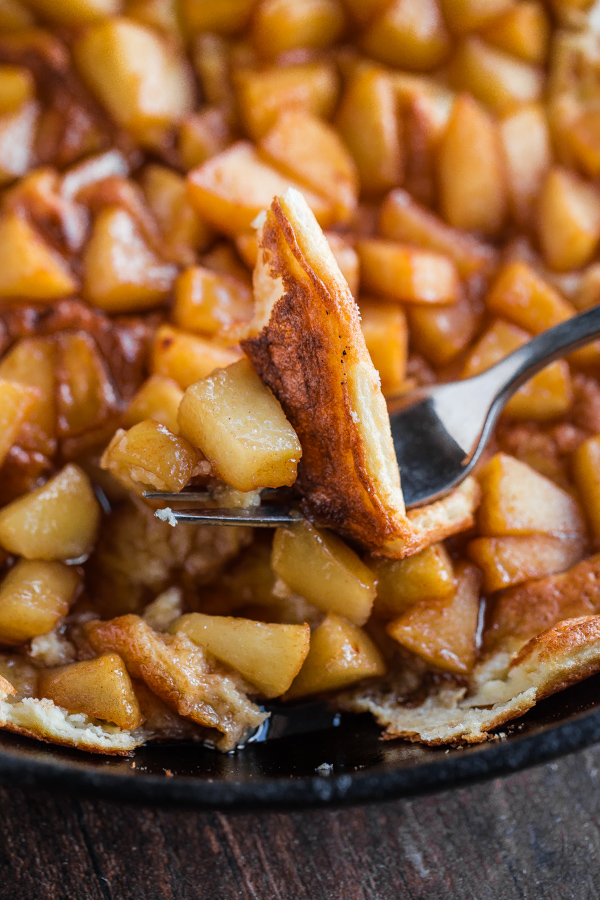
166, 515
354, 417
324, 769
168, 773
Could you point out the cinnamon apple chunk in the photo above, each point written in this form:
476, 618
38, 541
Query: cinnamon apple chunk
239, 425
100, 688
320, 567
16, 402
150, 457
33, 597
401, 583
158, 398
58, 520
340, 654
513, 559
269, 656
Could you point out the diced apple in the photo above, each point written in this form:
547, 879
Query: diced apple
472, 197
528, 155
408, 33
16, 87
495, 78
583, 136
523, 31
121, 273
401, 583
150, 457
441, 332
76, 12
282, 25
403, 219
517, 500
340, 655
506, 561
100, 688
33, 597
443, 631
311, 152
232, 188
32, 362
239, 425
547, 395
586, 474
184, 233
158, 398
386, 335
58, 520
29, 267
16, 403
463, 16
219, 16
145, 86
320, 567
263, 94
522, 296
207, 302
268, 656
203, 134
86, 394
568, 220
368, 123
407, 273
186, 358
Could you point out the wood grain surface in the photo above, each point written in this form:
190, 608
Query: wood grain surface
532, 836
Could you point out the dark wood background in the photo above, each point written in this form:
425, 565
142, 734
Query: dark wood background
532, 836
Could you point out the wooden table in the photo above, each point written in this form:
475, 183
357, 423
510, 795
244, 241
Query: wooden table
532, 836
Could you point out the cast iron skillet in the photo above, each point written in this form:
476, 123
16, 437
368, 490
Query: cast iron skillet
283, 772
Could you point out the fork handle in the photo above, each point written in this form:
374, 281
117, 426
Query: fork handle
517, 368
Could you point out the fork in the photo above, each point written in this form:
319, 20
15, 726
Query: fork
439, 432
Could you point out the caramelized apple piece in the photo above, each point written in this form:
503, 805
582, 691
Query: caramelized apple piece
368, 123
33, 597
568, 220
186, 358
472, 197
517, 500
441, 332
403, 219
311, 152
144, 85
282, 25
345, 256
408, 33
16, 403
220, 16
121, 273
158, 398
401, 583
506, 561
76, 12
263, 94
232, 188
522, 31
340, 654
443, 631
386, 335
547, 395
203, 134
240, 427
407, 273
86, 395
100, 688
56, 521
149, 457
528, 154
16, 87
32, 362
207, 302
470, 15
268, 656
183, 231
586, 474
583, 137
493, 77
29, 267
522, 296
320, 567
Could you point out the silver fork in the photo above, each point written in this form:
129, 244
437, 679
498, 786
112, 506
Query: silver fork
439, 432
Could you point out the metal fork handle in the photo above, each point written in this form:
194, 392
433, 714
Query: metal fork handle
517, 368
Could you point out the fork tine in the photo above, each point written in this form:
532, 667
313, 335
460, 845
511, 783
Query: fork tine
257, 516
